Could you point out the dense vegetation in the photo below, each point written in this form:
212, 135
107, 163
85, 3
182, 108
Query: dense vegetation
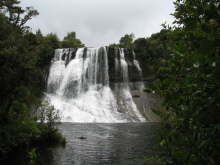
187, 77
151, 51
190, 84
24, 63
185, 62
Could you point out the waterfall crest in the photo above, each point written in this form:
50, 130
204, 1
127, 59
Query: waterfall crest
79, 86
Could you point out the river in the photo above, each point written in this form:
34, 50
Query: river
100, 144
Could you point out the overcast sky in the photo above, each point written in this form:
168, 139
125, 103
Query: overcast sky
100, 22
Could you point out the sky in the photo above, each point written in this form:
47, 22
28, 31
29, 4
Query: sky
100, 22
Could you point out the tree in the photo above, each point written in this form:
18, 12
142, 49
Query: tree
153, 51
45, 49
191, 86
53, 40
16, 14
127, 41
22, 79
70, 41
70, 36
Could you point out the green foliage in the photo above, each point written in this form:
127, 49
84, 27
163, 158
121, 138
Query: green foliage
114, 45
45, 48
189, 82
152, 51
18, 128
53, 40
70, 41
32, 156
24, 63
16, 14
49, 115
127, 41
153, 160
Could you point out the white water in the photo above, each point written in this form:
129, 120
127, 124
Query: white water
80, 89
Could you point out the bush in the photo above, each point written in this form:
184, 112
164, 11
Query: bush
190, 84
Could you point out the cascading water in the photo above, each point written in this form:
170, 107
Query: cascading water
79, 87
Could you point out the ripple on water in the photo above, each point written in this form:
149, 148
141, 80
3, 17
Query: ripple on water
113, 144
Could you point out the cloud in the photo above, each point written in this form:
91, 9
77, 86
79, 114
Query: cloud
100, 22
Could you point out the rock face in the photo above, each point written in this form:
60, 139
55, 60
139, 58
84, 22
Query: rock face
115, 74
146, 103
134, 70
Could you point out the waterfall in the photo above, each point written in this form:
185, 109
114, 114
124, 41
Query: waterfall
140, 84
79, 87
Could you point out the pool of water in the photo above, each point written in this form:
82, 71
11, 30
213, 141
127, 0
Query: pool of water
111, 144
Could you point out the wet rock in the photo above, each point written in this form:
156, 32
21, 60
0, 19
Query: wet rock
136, 96
82, 138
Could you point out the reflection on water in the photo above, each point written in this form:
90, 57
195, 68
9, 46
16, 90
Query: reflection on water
98, 144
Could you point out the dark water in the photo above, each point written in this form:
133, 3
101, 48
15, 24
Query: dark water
110, 144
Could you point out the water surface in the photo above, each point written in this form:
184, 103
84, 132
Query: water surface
111, 144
